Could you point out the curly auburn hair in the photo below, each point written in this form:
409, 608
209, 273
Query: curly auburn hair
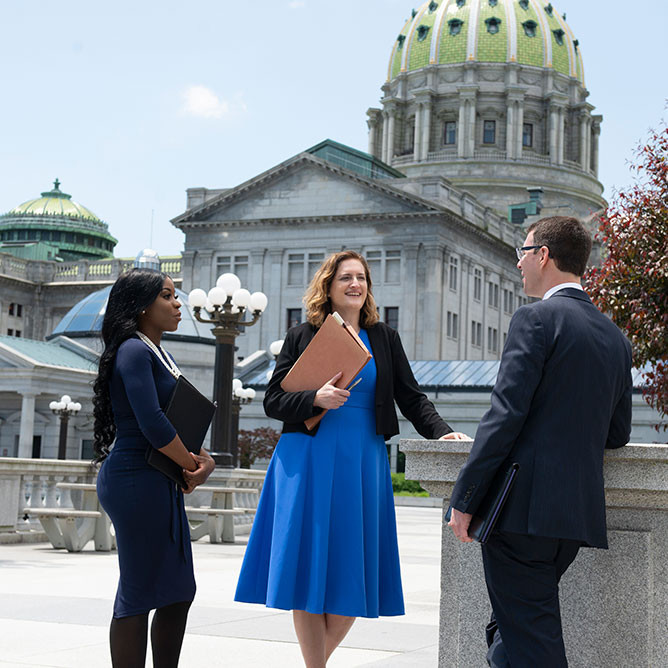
316, 299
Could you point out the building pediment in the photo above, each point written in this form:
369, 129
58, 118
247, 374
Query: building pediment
305, 187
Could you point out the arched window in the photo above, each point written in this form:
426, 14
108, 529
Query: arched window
401, 39
461, 3
559, 36
524, 4
493, 25
455, 26
433, 6
530, 28
422, 32
549, 9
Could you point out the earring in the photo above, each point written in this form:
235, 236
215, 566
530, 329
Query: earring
143, 312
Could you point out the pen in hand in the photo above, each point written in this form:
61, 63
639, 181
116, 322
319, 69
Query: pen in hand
350, 387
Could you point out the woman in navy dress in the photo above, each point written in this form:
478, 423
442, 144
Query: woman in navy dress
135, 379
324, 541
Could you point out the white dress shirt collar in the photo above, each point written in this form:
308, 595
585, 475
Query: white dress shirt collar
561, 286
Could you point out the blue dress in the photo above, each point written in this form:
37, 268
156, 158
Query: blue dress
145, 507
324, 538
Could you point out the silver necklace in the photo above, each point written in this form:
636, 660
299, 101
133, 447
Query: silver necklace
169, 364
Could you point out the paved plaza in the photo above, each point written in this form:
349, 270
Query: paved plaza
55, 608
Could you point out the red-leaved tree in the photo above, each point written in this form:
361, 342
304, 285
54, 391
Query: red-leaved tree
256, 444
632, 282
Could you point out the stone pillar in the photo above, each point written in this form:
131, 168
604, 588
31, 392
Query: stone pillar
595, 135
470, 150
275, 325
27, 425
510, 130
426, 129
431, 318
383, 156
187, 270
257, 336
554, 122
614, 603
461, 129
374, 116
417, 138
561, 121
409, 298
390, 136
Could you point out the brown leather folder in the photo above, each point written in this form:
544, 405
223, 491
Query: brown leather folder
335, 347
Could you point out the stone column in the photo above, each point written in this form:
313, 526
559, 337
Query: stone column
273, 289
257, 336
409, 298
461, 129
510, 130
464, 301
470, 150
426, 129
561, 120
431, 318
187, 270
595, 134
383, 156
620, 593
390, 136
554, 122
417, 138
374, 115
27, 425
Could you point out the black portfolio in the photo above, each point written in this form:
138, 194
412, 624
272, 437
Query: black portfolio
190, 413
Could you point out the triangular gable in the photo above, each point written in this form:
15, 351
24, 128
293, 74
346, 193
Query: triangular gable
306, 187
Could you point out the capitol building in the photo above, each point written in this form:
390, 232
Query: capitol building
483, 127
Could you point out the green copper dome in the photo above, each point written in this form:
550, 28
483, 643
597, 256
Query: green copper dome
70, 230
54, 203
446, 32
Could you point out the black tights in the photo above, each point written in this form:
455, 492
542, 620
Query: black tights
128, 636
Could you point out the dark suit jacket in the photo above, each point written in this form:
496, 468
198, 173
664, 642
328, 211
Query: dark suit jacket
394, 382
562, 395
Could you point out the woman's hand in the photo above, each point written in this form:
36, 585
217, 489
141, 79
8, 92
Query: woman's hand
455, 436
205, 466
329, 396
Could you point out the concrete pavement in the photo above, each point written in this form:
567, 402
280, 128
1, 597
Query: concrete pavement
55, 609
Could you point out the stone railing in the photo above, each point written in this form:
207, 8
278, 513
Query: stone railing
13, 266
105, 270
614, 602
32, 483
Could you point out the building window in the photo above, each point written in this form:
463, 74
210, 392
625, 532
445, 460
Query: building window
314, 262
10, 332
455, 26
12, 308
87, 452
493, 24
17, 333
296, 269
559, 36
450, 133
294, 317
393, 266
527, 135
477, 285
530, 28
374, 259
454, 265
508, 300
452, 325
505, 336
422, 32
492, 340
489, 132
524, 4
476, 334
493, 294
235, 264
392, 316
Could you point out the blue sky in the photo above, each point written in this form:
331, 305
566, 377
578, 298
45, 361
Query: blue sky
130, 103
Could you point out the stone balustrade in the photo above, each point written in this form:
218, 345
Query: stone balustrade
32, 483
614, 602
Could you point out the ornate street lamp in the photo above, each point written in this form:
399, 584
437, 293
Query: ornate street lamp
64, 408
242, 395
226, 304
275, 348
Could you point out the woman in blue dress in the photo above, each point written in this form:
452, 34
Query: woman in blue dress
135, 379
324, 541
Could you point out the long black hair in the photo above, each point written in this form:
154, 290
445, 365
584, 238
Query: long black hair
130, 295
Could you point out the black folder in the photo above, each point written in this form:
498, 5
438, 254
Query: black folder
488, 512
190, 413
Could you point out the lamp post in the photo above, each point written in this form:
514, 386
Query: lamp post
64, 408
226, 304
242, 395
275, 348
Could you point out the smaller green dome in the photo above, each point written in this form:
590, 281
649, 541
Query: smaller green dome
54, 203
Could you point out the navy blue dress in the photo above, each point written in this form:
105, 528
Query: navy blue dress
145, 507
324, 538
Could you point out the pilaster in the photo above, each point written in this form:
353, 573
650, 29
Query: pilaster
27, 427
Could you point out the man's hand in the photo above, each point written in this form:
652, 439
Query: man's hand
205, 466
455, 436
460, 525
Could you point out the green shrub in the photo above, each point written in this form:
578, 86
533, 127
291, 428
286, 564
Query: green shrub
405, 487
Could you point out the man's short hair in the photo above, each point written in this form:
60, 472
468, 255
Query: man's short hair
567, 239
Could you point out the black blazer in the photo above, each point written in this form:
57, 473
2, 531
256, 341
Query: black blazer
562, 395
394, 382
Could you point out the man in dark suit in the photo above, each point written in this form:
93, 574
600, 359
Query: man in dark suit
562, 395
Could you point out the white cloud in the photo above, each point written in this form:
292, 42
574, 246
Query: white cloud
296, 4
202, 102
